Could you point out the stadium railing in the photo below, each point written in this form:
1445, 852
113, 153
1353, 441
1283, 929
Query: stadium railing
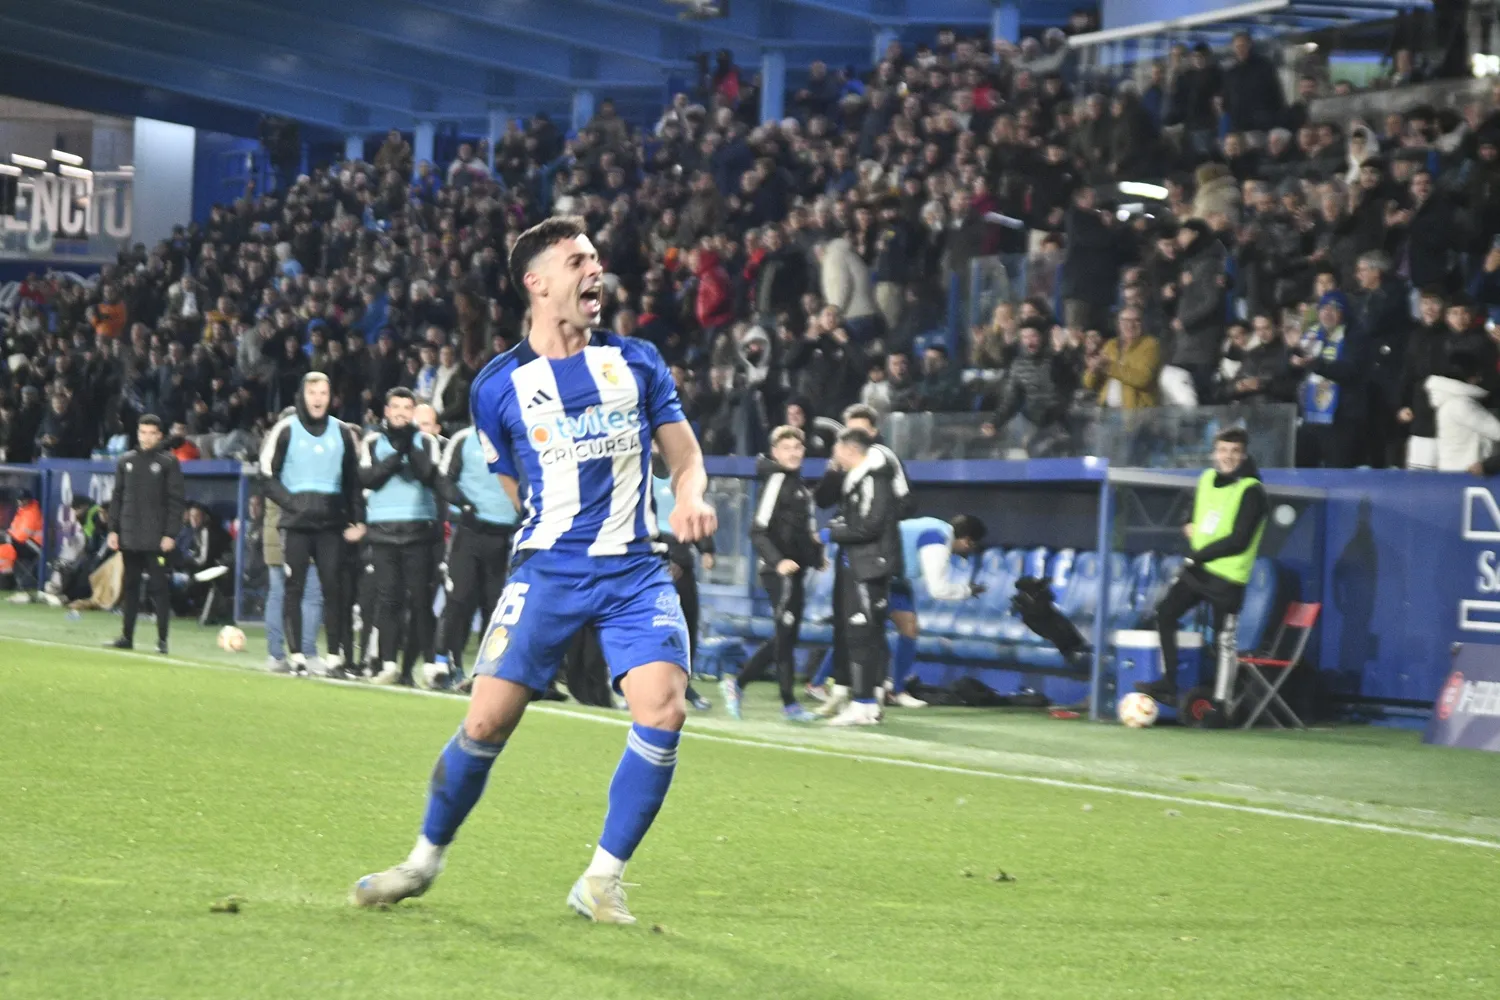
1159, 437
222, 487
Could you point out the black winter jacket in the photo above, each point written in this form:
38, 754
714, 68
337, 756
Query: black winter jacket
867, 527
784, 526
148, 500
415, 458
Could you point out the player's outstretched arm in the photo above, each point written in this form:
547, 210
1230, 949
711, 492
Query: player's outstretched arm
692, 518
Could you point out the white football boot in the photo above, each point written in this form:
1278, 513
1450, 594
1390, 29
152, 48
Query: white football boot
390, 674
857, 714
601, 898
837, 700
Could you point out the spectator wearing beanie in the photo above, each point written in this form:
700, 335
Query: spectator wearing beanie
1334, 396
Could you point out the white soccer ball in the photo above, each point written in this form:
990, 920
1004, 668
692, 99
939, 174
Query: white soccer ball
231, 639
1137, 710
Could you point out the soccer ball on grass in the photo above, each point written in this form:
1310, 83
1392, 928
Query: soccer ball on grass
1137, 710
231, 639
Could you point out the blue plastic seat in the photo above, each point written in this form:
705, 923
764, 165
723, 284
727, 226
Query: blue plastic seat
1036, 562
1059, 569
1144, 571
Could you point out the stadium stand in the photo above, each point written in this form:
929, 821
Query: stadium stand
793, 267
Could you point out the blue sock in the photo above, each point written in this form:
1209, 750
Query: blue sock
457, 782
902, 662
639, 788
826, 670
441, 658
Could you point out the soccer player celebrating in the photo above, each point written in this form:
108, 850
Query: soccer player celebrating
574, 410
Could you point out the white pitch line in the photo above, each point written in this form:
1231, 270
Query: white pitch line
1074, 786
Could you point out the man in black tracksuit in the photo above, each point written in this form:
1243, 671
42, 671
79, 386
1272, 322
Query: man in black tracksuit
310, 465
785, 536
860, 417
146, 514
397, 466
866, 530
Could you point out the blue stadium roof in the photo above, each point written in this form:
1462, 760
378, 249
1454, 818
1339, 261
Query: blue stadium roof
1261, 18
391, 63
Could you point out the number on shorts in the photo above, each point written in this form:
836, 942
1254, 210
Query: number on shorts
512, 601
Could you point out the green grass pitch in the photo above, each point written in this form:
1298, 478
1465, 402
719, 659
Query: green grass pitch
136, 793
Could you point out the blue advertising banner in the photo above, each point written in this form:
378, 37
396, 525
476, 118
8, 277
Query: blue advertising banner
1467, 713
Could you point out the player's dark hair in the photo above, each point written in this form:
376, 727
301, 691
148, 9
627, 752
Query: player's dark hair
859, 411
1233, 435
968, 526
149, 420
400, 392
860, 439
538, 240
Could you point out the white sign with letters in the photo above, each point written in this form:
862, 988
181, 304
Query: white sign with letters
1481, 523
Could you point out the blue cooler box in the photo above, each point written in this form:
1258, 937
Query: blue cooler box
1138, 658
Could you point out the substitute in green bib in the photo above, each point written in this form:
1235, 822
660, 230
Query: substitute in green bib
1229, 516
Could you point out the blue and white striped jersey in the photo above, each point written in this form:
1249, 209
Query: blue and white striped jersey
576, 433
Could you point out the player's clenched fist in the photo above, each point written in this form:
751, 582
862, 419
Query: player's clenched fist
692, 520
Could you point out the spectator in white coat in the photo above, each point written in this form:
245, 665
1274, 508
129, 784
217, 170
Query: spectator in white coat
1467, 433
846, 284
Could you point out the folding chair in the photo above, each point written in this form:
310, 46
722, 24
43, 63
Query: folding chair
1284, 653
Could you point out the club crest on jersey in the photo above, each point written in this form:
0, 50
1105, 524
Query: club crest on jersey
607, 369
495, 643
668, 611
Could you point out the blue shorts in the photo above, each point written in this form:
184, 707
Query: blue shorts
549, 597
901, 595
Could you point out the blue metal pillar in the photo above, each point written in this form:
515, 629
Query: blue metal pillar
883, 38
497, 132
1098, 706
354, 147
772, 85
421, 145
1005, 22
583, 108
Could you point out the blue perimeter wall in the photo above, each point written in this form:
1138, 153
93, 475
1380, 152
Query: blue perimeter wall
1410, 562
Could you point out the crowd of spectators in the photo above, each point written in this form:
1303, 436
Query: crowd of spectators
787, 270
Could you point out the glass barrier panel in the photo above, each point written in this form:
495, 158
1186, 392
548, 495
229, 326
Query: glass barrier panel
1167, 437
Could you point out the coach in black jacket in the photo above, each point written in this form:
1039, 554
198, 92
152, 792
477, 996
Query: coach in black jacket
785, 536
867, 532
146, 512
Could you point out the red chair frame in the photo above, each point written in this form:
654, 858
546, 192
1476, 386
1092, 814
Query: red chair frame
1298, 620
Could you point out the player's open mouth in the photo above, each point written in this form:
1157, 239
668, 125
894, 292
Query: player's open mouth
592, 298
